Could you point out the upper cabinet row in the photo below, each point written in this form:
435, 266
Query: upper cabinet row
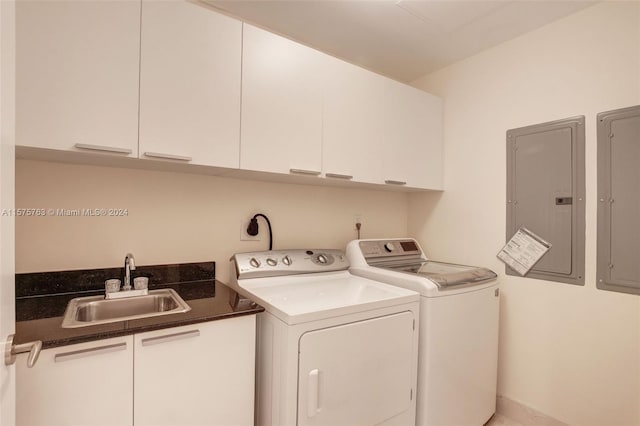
88, 78
178, 81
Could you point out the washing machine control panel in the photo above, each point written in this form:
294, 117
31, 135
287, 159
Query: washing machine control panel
288, 262
387, 248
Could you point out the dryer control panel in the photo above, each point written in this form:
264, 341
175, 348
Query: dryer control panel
288, 262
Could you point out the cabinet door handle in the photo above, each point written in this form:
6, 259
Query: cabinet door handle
113, 149
338, 176
305, 172
395, 182
168, 156
313, 393
98, 350
12, 350
170, 337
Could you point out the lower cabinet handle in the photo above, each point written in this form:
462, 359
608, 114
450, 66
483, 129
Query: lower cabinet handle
113, 149
395, 182
313, 393
168, 156
305, 172
338, 176
100, 350
170, 337
12, 350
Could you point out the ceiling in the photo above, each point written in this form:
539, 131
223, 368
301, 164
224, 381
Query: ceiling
403, 39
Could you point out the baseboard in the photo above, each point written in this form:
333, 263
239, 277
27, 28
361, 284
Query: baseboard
524, 414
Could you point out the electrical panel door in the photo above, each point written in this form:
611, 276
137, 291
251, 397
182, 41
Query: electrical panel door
619, 200
545, 194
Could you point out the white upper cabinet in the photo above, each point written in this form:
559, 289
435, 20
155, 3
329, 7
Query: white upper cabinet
413, 154
175, 80
354, 119
77, 71
282, 84
377, 130
190, 84
306, 112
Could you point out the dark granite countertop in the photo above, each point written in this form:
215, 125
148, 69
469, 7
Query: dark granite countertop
39, 316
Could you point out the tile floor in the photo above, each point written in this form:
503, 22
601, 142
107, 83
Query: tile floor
500, 420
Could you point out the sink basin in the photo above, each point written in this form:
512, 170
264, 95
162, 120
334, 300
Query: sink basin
92, 310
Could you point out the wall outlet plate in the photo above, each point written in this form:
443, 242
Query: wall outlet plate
243, 232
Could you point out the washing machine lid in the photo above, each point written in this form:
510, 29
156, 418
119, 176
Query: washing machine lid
444, 275
296, 299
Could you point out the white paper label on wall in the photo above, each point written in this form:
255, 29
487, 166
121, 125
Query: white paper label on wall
523, 250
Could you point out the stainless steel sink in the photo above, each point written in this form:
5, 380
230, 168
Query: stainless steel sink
92, 310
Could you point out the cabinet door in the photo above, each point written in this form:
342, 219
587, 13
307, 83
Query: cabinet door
413, 152
196, 375
354, 121
190, 84
77, 71
281, 104
358, 373
377, 130
88, 384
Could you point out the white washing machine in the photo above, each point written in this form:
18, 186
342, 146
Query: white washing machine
459, 309
333, 348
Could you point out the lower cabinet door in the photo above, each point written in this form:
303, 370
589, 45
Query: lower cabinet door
87, 384
201, 374
358, 373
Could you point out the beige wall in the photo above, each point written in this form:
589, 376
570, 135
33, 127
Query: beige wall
571, 352
177, 217
7, 224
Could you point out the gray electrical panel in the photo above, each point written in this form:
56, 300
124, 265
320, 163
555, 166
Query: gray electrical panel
619, 200
546, 193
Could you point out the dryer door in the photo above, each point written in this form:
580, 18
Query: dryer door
358, 373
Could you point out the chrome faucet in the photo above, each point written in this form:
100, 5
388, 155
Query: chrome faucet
129, 265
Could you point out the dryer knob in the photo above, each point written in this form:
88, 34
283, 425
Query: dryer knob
287, 260
254, 262
322, 258
389, 247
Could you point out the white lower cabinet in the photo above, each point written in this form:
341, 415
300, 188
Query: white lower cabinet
201, 374
84, 384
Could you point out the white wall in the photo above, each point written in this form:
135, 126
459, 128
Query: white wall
7, 224
571, 352
175, 217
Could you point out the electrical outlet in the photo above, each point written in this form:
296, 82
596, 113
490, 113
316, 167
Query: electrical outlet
243, 232
357, 218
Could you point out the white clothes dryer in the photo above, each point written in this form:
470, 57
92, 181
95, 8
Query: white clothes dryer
459, 310
332, 348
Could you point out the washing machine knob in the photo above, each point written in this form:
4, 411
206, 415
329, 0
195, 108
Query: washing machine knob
287, 260
389, 247
322, 258
254, 262
271, 262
